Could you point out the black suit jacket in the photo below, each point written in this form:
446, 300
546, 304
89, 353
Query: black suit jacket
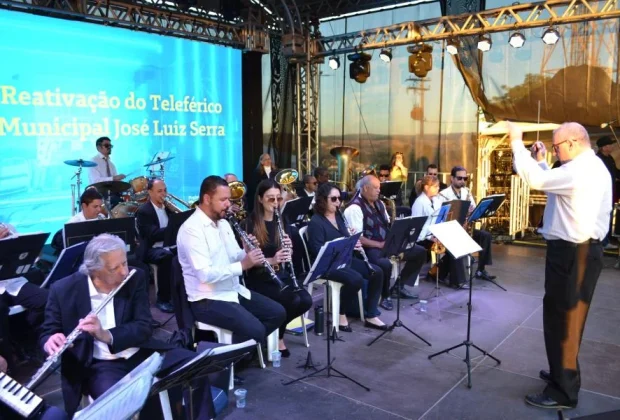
149, 229
69, 301
321, 230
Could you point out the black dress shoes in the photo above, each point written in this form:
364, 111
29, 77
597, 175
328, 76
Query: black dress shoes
484, 275
387, 304
543, 401
345, 328
165, 307
375, 326
404, 293
285, 353
545, 376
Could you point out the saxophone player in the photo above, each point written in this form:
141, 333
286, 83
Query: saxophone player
367, 214
458, 191
152, 220
262, 223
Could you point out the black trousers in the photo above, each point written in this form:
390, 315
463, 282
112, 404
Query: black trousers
295, 303
571, 273
485, 240
103, 374
254, 318
414, 259
163, 259
373, 285
352, 282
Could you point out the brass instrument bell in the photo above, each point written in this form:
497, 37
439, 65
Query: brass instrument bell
285, 178
237, 191
344, 154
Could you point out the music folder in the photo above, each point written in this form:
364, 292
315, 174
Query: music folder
124, 228
333, 255
457, 210
456, 239
403, 235
18, 254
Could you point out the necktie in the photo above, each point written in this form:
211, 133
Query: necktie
107, 167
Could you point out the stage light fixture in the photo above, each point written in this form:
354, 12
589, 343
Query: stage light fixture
551, 36
386, 55
484, 43
452, 47
359, 69
517, 39
421, 59
334, 62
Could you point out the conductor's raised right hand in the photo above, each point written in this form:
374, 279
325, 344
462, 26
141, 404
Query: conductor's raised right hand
253, 258
54, 343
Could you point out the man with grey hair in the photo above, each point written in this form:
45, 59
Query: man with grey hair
575, 222
116, 340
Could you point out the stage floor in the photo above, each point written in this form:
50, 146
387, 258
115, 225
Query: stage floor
405, 384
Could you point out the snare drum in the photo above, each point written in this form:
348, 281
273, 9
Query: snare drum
139, 187
124, 210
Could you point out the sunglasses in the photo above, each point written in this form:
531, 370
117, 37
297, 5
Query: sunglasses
383, 175
273, 199
334, 199
461, 178
107, 146
432, 174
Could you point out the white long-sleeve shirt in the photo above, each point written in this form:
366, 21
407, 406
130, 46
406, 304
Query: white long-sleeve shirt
99, 173
211, 259
579, 194
425, 206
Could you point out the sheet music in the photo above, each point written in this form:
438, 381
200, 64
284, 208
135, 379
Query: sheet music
456, 239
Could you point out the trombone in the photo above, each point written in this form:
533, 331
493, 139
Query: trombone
168, 202
285, 178
237, 192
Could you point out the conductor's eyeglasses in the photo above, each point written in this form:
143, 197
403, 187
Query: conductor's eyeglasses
556, 147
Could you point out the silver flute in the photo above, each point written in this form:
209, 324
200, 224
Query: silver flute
53, 358
248, 242
288, 264
361, 251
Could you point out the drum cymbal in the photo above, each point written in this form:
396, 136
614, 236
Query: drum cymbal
158, 161
114, 187
80, 162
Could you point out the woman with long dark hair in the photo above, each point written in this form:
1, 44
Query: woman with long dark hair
262, 223
327, 224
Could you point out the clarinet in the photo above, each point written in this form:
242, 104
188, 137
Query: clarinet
53, 358
248, 242
288, 264
364, 256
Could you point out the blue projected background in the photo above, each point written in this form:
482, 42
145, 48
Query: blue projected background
63, 84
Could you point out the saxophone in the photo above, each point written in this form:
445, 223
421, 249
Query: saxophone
389, 203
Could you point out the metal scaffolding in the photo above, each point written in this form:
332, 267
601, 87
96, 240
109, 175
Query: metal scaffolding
306, 124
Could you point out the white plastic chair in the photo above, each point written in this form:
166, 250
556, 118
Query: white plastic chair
155, 278
333, 285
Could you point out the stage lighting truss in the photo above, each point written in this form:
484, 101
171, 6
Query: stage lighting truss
334, 62
421, 59
484, 43
359, 69
386, 55
517, 39
452, 46
551, 36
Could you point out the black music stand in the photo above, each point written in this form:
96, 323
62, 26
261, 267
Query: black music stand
401, 237
294, 211
67, 263
333, 255
390, 189
212, 360
124, 228
457, 210
458, 242
175, 220
18, 255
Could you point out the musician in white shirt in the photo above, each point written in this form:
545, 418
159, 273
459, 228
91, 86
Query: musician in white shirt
212, 264
91, 203
105, 169
575, 221
458, 191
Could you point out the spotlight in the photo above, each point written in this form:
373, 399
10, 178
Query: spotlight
484, 43
452, 47
551, 36
334, 62
359, 69
517, 39
386, 55
420, 60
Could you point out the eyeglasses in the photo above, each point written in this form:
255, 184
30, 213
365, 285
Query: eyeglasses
334, 199
383, 175
107, 146
556, 147
273, 199
462, 178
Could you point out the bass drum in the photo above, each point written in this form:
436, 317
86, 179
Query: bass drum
125, 210
139, 186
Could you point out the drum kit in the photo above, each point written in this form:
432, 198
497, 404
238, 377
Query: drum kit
132, 193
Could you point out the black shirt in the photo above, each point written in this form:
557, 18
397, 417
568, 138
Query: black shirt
610, 163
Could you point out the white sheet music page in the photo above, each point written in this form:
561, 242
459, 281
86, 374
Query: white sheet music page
455, 238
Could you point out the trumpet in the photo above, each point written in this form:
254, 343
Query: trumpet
52, 359
364, 256
289, 263
232, 219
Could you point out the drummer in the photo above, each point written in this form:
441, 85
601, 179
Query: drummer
105, 169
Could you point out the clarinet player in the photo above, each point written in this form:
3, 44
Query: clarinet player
263, 224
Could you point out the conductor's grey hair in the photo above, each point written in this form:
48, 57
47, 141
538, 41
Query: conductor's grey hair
97, 248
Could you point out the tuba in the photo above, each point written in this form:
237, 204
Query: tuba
285, 179
344, 154
237, 191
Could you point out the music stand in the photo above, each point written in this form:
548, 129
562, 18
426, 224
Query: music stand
67, 263
458, 242
175, 220
210, 361
390, 189
457, 210
333, 255
402, 236
294, 211
124, 228
18, 255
